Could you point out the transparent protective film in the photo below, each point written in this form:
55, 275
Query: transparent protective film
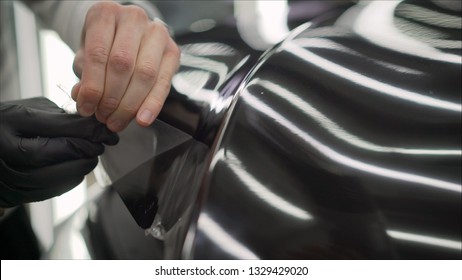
157, 172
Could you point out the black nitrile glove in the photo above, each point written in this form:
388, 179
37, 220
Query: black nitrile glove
44, 152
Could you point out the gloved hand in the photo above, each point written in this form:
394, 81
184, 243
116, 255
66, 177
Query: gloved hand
44, 152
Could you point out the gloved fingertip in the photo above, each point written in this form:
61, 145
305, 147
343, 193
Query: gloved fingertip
112, 139
102, 134
85, 149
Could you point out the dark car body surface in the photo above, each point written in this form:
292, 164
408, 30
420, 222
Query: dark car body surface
341, 142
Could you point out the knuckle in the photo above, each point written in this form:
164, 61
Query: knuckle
164, 83
32, 149
164, 31
152, 27
129, 110
158, 27
109, 104
90, 92
103, 9
146, 72
98, 55
94, 11
175, 51
137, 12
121, 62
161, 27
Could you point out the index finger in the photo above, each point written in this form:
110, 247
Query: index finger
98, 36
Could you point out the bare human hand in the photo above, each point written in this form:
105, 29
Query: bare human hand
126, 63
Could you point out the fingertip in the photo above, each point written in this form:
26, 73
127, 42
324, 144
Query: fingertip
87, 165
88, 99
75, 91
86, 109
145, 118
112, 139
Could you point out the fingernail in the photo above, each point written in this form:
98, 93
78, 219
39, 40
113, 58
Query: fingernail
87, 108
146, 117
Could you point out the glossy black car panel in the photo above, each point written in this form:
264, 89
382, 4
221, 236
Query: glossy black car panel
341, 142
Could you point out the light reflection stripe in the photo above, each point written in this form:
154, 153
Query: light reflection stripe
367, 82
222, 239
206, 64
261, 191
430, 17
344, 160
324, 43
338, 131
375, 23
429, 240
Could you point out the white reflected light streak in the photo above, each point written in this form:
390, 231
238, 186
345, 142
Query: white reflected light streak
225, 241
261, 24
211, 49
339, 132
430, 17
322, 43
426, 35
192, 84
261, 191
206, 64
367, 82
450, 244
375, 23
344, 160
